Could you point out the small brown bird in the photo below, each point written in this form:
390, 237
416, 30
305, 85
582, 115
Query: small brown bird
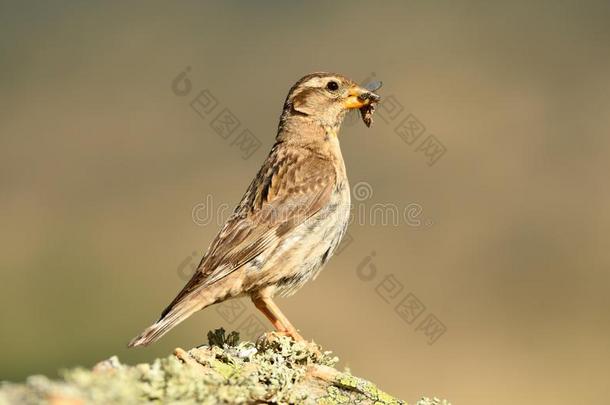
293, 215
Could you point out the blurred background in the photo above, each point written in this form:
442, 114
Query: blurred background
493, 142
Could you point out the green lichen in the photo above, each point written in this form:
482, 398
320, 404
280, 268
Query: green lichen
275, 369
335, 396
367, 388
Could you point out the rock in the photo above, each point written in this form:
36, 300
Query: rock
275, 369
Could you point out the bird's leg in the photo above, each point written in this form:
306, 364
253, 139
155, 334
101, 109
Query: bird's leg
266, 305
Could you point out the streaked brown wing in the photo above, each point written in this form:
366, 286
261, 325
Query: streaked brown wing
289, 189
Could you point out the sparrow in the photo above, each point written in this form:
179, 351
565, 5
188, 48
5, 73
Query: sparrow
292, 216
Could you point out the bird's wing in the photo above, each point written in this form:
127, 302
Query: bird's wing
289, 189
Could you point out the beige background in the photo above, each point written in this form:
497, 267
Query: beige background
101, 165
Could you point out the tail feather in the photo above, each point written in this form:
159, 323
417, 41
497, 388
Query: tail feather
168, 320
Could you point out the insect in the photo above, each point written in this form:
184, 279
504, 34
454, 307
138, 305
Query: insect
367, 111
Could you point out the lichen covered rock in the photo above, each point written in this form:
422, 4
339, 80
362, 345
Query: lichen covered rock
275, 369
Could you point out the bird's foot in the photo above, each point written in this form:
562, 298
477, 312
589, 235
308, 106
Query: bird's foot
273, 337
294, 335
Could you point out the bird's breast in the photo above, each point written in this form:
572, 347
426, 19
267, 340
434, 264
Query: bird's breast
309, 247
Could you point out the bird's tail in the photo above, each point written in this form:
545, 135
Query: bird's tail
170, 318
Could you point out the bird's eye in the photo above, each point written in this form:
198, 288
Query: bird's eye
332, 85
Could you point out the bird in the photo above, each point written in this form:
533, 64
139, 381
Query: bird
292, 216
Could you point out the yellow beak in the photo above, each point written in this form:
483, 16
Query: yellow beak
359, 97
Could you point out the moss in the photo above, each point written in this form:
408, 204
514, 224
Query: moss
275, 369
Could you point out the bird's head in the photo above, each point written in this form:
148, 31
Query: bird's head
326, 97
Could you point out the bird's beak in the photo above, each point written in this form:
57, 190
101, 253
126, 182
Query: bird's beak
359, 97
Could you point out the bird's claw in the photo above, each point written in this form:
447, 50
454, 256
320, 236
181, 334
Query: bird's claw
273, 337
